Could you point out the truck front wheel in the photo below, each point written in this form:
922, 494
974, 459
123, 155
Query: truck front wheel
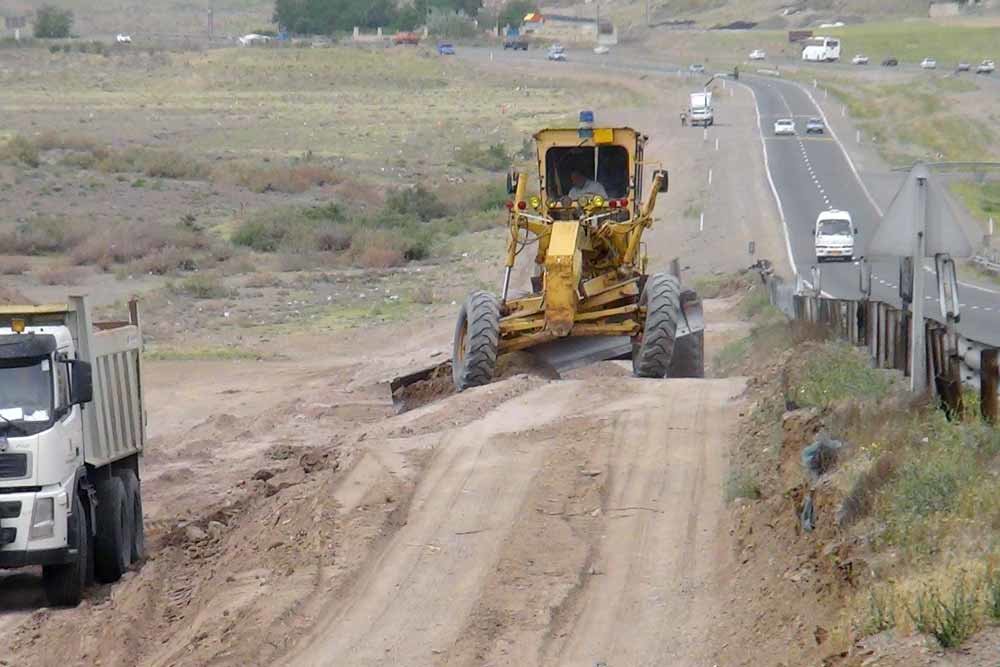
64, 584
114, 544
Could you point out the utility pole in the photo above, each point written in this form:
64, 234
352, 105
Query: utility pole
649, 20
211, 23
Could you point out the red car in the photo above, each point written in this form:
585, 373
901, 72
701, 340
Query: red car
406, 38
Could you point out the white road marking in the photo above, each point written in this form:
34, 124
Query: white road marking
770, 180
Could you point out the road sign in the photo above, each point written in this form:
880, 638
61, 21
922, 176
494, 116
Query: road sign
16, 22
897, 231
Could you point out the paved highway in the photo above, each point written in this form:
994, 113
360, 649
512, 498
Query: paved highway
808, 175
813, 173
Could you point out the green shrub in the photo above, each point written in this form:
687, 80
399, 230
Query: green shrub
318, 228
43, 234
490, 198
950, 620
880, 613
418, 202
742, 484
53, 23
203, 286
491, 158
838, 372
20, 149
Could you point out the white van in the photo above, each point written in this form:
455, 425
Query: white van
835, 233
700, 109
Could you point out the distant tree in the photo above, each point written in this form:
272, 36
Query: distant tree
53, 23
514, 11
328, 16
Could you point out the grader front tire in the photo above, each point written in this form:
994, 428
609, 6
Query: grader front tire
477, 339
653, 352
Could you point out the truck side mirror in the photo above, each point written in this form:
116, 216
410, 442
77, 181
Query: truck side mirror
511, 181
855, 231
665, 183
81, 385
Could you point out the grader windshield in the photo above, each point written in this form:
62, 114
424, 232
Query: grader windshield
607, 160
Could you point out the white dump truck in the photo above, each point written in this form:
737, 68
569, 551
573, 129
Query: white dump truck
700, 109
72, 430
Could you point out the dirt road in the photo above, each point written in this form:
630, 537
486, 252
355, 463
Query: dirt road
554, 531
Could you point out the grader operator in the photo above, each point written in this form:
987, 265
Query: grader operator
590, 291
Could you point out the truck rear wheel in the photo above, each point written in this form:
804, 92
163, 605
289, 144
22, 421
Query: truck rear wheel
477, 340
653, 350
64, 584
689, 357
113, 551
134, 518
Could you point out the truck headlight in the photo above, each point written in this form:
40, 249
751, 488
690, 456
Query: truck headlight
42, 519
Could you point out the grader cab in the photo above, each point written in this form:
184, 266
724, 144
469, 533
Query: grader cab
590, 291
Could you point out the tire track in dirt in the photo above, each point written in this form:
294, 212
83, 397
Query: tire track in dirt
557, 530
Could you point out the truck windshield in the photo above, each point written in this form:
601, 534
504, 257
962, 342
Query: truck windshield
835, 228
26, 391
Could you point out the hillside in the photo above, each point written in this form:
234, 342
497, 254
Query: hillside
174, 18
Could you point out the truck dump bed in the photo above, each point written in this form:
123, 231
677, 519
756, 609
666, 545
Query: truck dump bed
115, 422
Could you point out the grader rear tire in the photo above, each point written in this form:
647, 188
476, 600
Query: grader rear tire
654, 350
689, 357
477, 339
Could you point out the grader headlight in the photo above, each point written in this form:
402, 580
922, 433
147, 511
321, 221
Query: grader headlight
597, 201
535, 202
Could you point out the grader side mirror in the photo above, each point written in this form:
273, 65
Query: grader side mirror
665, 183
511, 182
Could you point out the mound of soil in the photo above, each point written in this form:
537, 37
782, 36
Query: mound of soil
10, 296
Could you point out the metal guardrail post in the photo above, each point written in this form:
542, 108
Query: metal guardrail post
953, 387
989, 379
904, 336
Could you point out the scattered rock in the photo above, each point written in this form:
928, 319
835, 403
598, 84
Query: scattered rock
194, 533
262, 475
216, 529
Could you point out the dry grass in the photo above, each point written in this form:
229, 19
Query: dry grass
62, 275
292, 179
14, 266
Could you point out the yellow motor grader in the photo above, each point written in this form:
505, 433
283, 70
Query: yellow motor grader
591, 297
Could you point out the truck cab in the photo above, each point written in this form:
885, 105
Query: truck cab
835, 236
70, 440
700, 110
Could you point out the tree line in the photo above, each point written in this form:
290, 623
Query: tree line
320, 17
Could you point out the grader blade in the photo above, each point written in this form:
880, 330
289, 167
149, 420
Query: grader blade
566, 354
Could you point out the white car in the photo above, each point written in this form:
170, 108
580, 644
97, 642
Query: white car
123, 39
757, 54
985, 67
784, 126
860, 60
251, 39
928, 63
602, 50
556, 52
835, 233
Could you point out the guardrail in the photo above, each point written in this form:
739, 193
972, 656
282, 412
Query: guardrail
884, 330
988, 262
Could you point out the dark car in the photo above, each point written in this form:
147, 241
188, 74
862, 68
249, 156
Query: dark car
446, 49
963, 67
890, 62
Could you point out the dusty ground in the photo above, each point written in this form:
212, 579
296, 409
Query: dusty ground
293, 517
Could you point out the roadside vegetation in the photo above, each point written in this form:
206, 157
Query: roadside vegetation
912, 491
